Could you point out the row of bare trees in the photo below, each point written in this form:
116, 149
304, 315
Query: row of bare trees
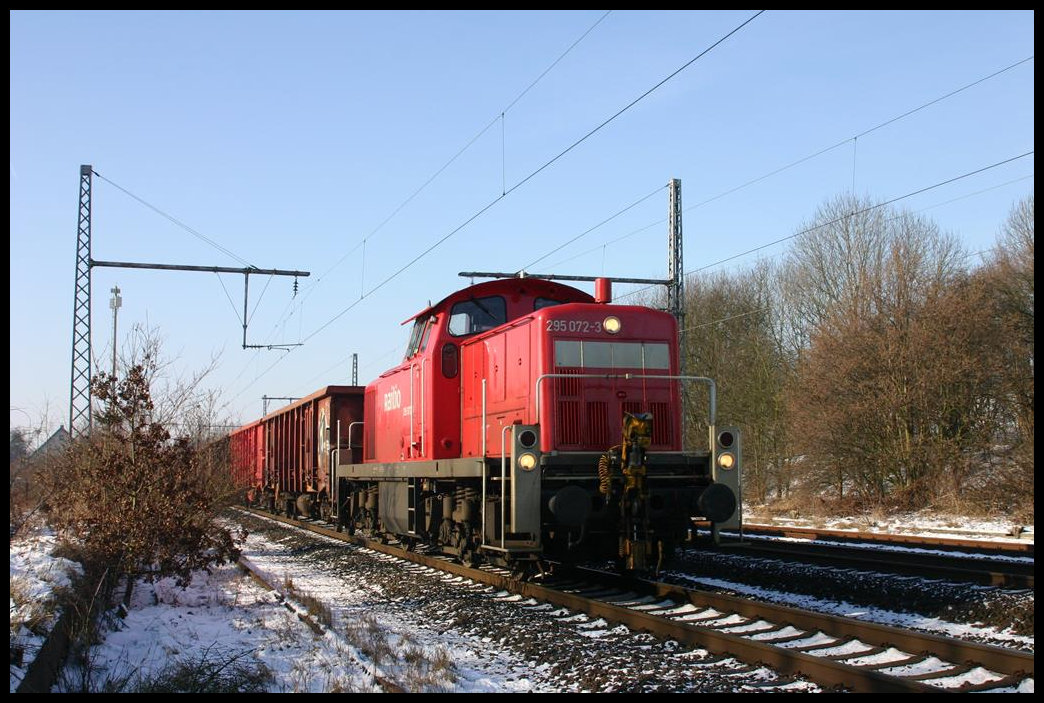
877, 365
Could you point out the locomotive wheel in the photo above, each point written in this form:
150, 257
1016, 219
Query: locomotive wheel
525, 570
467, 550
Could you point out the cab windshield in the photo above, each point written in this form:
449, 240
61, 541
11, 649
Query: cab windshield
419, 336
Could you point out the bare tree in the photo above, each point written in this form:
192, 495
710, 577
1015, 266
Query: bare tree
139, 502
1010, 275
833, 266
859, 287
180, 401
1012, 269
732, 336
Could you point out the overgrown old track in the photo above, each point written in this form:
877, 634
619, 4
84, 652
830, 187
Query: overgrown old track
832, 651
930, 564
977, 546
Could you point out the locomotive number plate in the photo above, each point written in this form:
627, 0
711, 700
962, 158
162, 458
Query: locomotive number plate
576, 326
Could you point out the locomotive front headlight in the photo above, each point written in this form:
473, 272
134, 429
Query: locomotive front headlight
611, 324
726, 460
527, 461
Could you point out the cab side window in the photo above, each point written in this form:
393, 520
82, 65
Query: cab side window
477, 315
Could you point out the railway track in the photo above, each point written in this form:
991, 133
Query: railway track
835, 652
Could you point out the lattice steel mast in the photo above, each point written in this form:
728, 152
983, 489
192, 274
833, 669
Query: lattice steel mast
676, 274
80, 387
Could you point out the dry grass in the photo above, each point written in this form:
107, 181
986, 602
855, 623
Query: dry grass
318, 610
415, 669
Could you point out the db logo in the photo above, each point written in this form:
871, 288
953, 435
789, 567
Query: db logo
392, 399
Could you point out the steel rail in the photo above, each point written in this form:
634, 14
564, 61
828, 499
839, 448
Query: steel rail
985, 572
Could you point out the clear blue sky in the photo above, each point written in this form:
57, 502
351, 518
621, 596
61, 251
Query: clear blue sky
291, 138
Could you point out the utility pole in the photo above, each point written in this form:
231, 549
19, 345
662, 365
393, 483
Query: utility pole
676, 274
114, 302
355, 369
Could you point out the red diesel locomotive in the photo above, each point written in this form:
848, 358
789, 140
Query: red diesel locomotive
528, 419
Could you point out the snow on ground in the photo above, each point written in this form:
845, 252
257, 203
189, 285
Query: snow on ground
228, 618
35, 573
870, 614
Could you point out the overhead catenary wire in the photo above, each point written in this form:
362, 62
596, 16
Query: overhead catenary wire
968, 255
235, 310
500, 116
865, 132
344, 360
866, 209
844, 217
258, 303
854, 139
930, 207
612, 217
640, 98
177, 222
522, 182
534, 173
766, 308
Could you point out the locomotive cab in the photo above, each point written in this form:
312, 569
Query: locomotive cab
413, 410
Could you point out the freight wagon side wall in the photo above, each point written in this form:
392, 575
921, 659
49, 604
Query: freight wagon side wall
299, 440
246, 455
290, 452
